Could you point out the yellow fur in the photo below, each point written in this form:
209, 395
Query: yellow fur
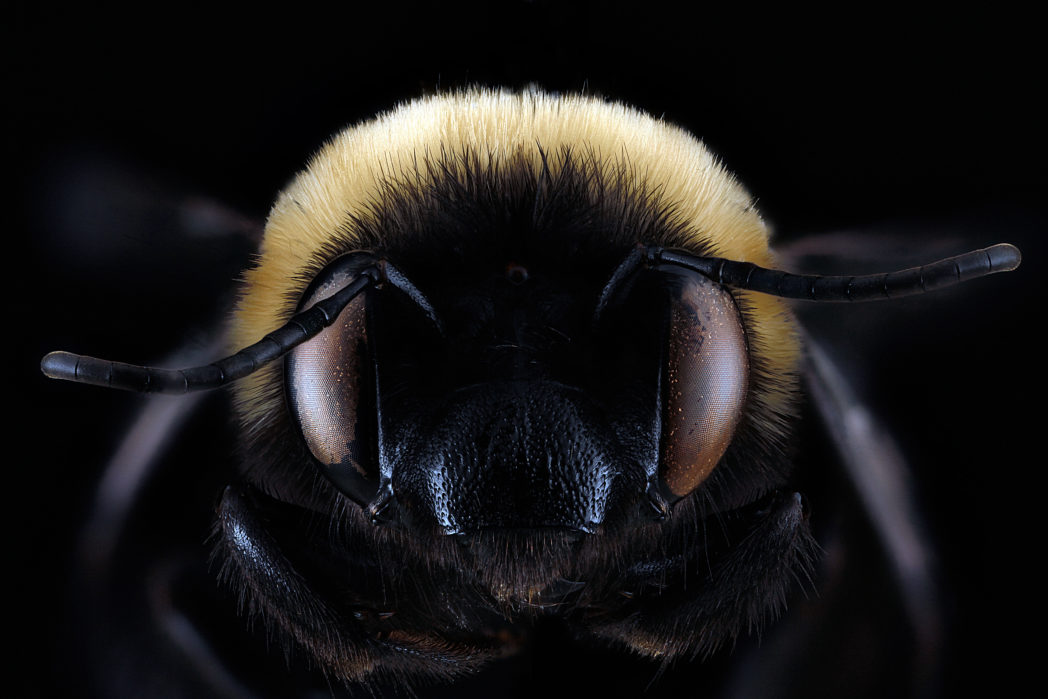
347, 173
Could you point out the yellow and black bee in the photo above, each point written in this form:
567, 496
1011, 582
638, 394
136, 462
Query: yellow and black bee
506, 356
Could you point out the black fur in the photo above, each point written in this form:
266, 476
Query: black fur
513, 259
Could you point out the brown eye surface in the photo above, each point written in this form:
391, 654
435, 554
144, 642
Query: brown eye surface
706, 380
328, 380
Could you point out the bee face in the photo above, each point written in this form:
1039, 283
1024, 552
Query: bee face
522, 410
522, 356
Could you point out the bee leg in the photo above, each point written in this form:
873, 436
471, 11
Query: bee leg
755, 571
272, 584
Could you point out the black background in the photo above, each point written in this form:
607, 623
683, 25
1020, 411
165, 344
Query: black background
925, 125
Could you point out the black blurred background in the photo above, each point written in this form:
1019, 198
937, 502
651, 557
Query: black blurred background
928, 128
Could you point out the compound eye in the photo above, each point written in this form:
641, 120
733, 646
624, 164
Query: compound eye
707, 375
330, 389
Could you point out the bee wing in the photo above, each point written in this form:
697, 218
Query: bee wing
136, 502
901, 400
96, 209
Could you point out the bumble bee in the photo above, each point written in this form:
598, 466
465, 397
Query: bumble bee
512, 356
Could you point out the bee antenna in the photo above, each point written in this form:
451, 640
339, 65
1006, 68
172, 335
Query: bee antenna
870, 287
144, 379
